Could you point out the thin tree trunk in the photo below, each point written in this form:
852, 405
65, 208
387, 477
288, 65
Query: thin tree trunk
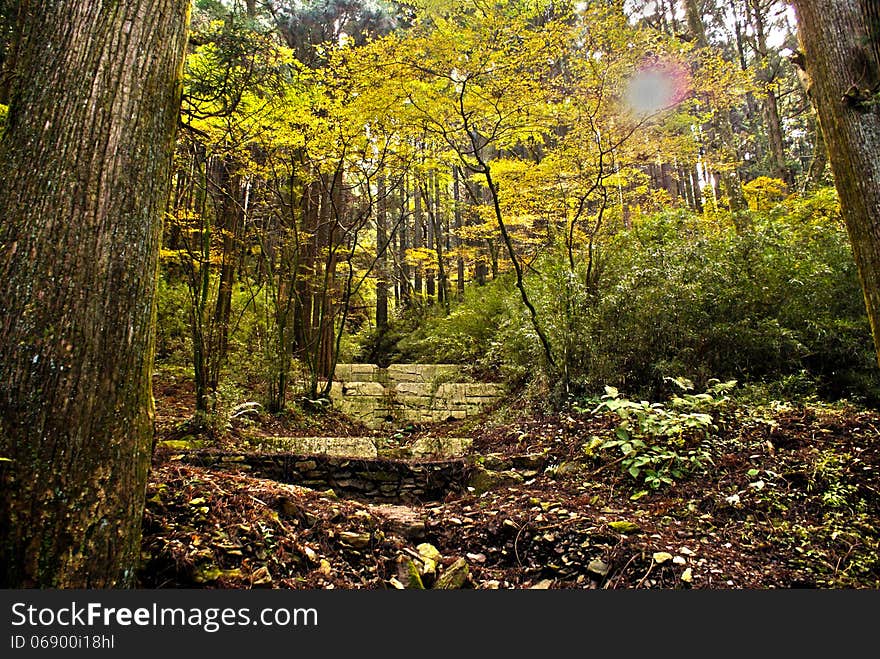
85, 166
720, 127
772, 120
417, 236
382, 258
459, 261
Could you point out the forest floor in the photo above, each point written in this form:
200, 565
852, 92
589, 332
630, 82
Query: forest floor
791, 500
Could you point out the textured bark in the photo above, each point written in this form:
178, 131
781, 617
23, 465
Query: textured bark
230, 207
84, 179
417, 236
382, 258
459, 225
839, 51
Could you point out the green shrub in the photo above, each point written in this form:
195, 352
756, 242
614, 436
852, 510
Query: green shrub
659, 444
677, 294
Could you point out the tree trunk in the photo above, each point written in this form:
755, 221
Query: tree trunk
771, 103
84, 179
720, 128
459, 225
417, 237
402, 231
382, 258
229, 222
838, 44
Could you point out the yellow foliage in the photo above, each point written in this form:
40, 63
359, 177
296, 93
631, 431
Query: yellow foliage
764, 192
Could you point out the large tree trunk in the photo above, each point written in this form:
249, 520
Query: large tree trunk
840, 51
84, 178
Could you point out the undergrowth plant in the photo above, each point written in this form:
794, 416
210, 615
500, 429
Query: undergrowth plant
661, 443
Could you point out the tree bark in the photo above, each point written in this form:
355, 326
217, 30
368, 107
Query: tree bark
840, 57
84, 178
459, 225
382, 258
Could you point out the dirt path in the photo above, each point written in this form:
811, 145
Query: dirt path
790, 501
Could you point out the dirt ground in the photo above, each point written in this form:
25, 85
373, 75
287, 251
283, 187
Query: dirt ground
790, 500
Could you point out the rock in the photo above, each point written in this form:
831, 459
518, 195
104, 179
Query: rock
429, 557
408, 573
687, 576
661, 557
261, 577
567, 468
624, 527
355, 540
441, 447
476, 558
530, 461
543, 584
185, 444
598, 567
496, 463
454, 576
289, 508
679, 560
210, 572
483, 480
429, 551
403, 521
395, 583
206, 573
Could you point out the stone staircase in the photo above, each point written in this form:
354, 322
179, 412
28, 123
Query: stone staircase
410, 393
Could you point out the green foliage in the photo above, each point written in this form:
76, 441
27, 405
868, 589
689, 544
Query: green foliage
173, 338
778, 303
662, 443
464, 336
678, 295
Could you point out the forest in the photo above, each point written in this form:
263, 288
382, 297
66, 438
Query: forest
440, 294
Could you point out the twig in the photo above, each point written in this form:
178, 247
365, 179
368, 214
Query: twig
607, 585
642, 580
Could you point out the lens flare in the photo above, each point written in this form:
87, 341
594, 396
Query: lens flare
656, 87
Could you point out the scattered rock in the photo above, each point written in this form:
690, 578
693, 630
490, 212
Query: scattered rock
408, 573
355, 540
624, 527
261, 577
687, 576
454, 576
483, 480
661, 557
403, 521
567, 468
598, 567
544, 584
428, 551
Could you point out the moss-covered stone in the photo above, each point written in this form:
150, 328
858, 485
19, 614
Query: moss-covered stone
483, 480
454, 576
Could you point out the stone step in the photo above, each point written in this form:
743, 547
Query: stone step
410, 393
375, 480
367, 447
